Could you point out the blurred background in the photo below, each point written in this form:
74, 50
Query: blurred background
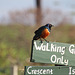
18, 21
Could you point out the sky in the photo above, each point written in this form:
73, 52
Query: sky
65, 5
12, 5
9, 5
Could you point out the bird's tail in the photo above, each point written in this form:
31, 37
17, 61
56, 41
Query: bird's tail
36, 37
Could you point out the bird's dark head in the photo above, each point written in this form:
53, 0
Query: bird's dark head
49, 25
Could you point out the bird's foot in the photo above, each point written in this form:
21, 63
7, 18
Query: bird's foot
46, 41
41, 41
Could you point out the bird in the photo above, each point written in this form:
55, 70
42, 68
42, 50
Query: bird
43, 32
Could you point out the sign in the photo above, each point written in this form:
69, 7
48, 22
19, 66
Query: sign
48, 70
53, 53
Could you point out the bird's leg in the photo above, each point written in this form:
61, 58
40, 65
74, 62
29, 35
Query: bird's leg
46, 40
41, 40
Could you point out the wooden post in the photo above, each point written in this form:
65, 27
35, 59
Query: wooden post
14, 70
38, 12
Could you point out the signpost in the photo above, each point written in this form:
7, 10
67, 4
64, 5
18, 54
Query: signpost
49, 70
53, 53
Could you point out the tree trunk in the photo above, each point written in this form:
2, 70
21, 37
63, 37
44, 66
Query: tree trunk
38, 12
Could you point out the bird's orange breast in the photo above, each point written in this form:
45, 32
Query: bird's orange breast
45, 33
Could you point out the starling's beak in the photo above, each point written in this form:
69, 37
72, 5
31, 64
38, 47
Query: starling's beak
52, 25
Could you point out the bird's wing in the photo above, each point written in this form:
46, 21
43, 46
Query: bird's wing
39, 31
